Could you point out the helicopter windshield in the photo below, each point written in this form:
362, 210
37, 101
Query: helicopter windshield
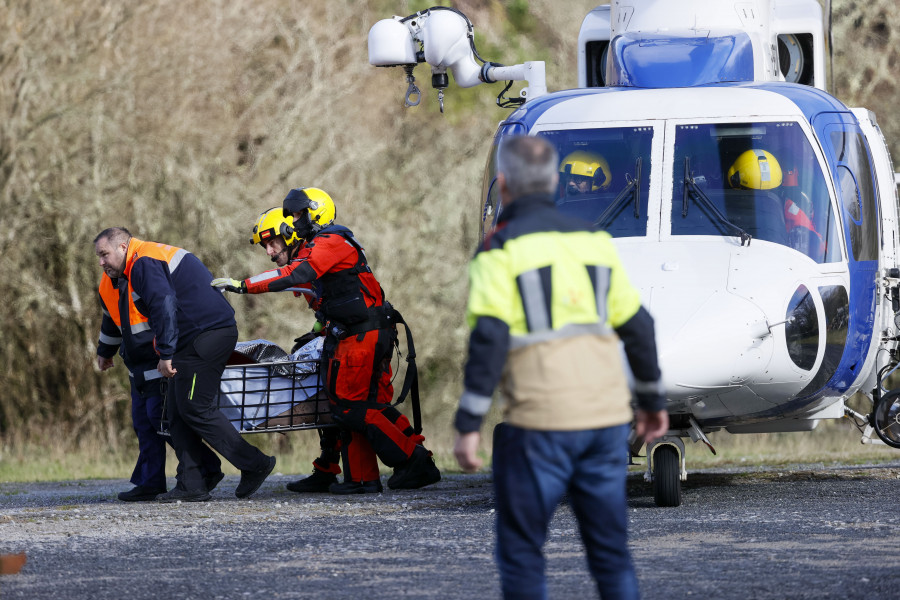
761, 179
604, 176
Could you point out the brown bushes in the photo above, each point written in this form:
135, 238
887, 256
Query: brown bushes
182, 120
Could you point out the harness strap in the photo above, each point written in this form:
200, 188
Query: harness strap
387, 316
380, 317
411, 381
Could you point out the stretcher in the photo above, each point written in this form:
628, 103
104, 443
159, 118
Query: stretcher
264, 389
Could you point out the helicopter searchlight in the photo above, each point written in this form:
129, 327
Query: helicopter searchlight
444, 38
756, 213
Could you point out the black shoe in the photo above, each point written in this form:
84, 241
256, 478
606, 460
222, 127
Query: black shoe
179, 494
317, 483
356, 487
140, 493
251, 480
417, 472
213, 480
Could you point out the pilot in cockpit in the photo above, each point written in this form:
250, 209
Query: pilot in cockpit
755, 170
584, 172
799, 219
759, 170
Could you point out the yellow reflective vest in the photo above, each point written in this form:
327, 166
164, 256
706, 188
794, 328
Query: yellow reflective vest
547, 294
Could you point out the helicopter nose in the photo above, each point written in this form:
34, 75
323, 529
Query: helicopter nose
721, 344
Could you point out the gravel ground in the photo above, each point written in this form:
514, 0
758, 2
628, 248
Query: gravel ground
804, 531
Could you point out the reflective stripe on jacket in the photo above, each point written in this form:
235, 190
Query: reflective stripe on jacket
135, 336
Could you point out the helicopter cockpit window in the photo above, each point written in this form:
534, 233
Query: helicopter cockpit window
604, 176
490, 193
756, 181
858, 193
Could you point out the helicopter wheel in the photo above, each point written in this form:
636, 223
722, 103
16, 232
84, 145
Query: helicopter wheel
666, 476
886, 417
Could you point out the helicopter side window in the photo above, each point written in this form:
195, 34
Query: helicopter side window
490, 191
753, 181
854, 175
604, 176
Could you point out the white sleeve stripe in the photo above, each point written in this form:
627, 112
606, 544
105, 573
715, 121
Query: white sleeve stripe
109, 340
649, 387
265, 276
475, 403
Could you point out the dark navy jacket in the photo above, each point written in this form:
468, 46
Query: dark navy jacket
171, 287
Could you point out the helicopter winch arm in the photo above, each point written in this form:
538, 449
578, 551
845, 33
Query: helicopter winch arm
532, 72
444, 38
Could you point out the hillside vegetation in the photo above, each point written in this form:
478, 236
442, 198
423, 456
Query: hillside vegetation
184, 119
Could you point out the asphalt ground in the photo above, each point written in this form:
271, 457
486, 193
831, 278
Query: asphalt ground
800, 531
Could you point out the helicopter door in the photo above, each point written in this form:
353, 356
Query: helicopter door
853, 176
855, 183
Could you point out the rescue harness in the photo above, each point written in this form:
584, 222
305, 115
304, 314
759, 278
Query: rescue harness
346, 314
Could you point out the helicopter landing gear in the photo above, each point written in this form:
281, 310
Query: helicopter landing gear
886, 418
665, 468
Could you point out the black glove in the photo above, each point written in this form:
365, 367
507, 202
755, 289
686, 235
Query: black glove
304, 340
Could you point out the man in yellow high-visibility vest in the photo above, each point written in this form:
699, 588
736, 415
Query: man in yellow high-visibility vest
549, 302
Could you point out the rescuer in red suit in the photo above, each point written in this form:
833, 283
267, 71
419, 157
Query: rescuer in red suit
360, 331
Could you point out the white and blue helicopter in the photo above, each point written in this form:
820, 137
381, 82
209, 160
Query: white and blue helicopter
756, 213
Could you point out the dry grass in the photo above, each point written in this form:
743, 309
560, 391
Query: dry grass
182, 120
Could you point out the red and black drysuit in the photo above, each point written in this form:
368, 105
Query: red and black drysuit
330, 443
360, 336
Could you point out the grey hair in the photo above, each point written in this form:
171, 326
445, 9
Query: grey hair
529, 164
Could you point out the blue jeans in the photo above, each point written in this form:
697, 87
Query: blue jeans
146, 411
533, 470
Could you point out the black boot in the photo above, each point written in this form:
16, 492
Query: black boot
140, 493
317, 483
416, 472
356, 487
251, 480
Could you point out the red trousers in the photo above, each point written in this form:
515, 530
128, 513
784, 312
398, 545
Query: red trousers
359, 388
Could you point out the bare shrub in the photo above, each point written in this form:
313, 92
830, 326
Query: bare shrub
183, 120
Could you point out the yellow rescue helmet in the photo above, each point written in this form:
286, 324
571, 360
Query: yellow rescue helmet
316, 202
587, 164
271, 223
755, 170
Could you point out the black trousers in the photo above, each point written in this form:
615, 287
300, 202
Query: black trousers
193, 415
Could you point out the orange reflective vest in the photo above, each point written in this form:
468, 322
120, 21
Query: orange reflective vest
133, 337
109, 295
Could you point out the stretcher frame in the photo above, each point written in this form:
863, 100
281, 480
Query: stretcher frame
277, 400
264, 397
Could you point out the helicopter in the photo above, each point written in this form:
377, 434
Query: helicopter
755, 212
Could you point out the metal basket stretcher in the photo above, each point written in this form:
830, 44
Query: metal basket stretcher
258, 394
285, 395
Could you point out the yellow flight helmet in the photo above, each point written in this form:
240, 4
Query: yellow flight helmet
318, 206
587, 164
755, 170
271, 223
